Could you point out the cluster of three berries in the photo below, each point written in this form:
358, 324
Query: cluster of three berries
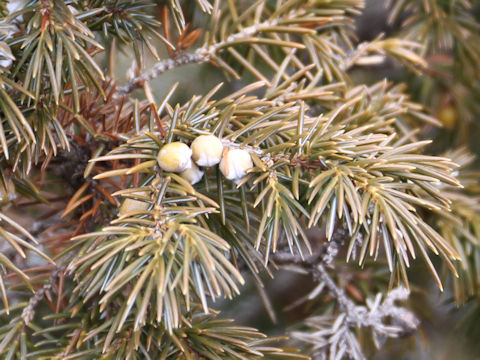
205, 151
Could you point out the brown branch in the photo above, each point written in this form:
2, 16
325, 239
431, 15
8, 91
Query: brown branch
307, 164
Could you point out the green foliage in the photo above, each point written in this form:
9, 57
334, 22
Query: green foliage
124, 260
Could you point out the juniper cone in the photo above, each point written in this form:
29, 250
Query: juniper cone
303, 167
175, 156
207, 150
193, 174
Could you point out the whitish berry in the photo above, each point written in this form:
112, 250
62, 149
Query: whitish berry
193, 174
235, 163
175, 157
207, 150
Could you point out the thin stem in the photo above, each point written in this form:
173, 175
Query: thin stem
29, 311
159, 68
201, 55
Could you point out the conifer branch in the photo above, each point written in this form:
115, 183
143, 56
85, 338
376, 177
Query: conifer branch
28, 312
152, 209
159, 68
201, 55
384, 319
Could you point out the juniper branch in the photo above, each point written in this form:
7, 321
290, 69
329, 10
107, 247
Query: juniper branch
29, 311
374, 316
201, 55
317, 265
159, 68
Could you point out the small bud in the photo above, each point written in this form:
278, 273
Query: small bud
207, 150
235, 163
193, 174
448, 116
175, 157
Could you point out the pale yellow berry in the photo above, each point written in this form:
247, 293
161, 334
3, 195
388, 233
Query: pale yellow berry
235, 163
193, 174
175, 157
130, 205
207, 150
448, 117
